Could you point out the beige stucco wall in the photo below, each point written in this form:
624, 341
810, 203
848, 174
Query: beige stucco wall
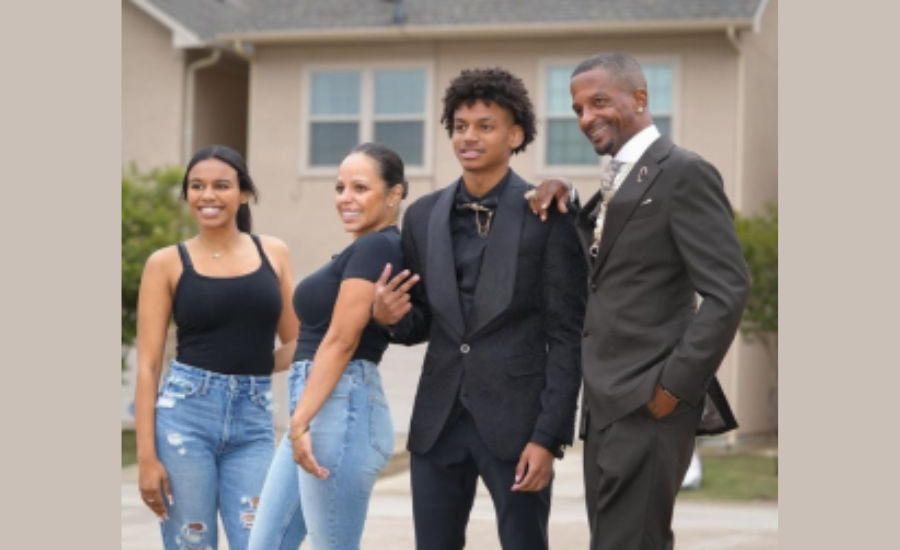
220, 108
152, 88
755, 396
299, 208
761, 119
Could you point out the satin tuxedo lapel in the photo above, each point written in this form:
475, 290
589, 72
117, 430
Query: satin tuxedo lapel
497, 277
640, 179
442, 289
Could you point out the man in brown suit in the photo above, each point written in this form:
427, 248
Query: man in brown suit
659, 232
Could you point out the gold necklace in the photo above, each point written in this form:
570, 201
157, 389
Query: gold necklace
483, 228
216, 255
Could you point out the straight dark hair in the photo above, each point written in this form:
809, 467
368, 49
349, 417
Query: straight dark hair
234, 159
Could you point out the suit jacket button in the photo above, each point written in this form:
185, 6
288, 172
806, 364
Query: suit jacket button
584, 334
593, 287
464, 348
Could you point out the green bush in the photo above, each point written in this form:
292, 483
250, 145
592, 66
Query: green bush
153, 217
759, 240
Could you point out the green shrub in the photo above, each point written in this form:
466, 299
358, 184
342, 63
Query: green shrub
759, 240
153, 217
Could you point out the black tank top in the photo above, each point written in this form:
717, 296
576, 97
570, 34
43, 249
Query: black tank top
227, 324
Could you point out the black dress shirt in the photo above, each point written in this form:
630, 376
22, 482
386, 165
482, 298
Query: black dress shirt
468, 245
468, 252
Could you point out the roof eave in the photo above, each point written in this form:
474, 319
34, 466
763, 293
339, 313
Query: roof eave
402, 33
182, 37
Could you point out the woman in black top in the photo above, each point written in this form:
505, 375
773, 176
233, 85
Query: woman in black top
341, 432
206, 439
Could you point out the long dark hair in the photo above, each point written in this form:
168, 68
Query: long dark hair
232, 158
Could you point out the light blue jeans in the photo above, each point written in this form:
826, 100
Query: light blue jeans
353, 437
215, 436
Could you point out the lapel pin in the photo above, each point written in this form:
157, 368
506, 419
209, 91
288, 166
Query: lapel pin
641, 174
648, 201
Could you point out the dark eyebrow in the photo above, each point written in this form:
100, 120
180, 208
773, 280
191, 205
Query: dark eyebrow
195, 178
489, 118
598, 95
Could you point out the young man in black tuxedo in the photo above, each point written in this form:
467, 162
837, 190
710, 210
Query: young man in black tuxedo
500, 299
657, 233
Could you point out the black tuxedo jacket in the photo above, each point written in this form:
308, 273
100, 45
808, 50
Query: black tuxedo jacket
669, 233
518, 356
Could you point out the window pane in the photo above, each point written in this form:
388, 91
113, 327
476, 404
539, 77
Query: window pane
406, 138
663, 124
559, 98
331, 141
567, 145
659, 87
400, 92
335, 93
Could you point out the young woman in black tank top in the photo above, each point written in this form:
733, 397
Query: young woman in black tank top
206, 436
341, 433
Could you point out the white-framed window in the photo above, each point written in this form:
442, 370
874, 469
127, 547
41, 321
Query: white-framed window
562, 146
348, 105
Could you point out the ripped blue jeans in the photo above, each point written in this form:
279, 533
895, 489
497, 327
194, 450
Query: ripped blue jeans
215, 436
353, 437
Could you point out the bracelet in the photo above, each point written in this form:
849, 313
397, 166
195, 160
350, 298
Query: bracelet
294, 435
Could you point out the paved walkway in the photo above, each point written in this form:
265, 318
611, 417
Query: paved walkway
698, 526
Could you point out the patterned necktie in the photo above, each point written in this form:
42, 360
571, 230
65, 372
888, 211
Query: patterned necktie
608, 178
607, 189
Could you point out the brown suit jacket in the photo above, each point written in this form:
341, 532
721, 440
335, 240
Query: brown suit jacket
669, 236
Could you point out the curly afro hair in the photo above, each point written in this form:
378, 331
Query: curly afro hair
491, 86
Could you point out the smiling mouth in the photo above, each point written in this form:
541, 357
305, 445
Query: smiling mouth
597, 133
349, 216
469, 153
210, 210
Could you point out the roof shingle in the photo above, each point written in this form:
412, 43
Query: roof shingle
209, 18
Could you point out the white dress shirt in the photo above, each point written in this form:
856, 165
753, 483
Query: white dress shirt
633, 150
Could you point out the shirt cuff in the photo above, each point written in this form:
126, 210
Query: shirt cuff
386, 330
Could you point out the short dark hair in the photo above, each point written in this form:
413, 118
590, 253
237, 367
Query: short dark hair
491, 86
234, 159
390, 165
627, 72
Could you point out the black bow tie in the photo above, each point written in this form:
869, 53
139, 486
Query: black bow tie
487, 203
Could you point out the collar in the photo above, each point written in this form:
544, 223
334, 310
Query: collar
638, 144
463, 195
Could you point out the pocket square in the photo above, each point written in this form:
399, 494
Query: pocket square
646, 202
